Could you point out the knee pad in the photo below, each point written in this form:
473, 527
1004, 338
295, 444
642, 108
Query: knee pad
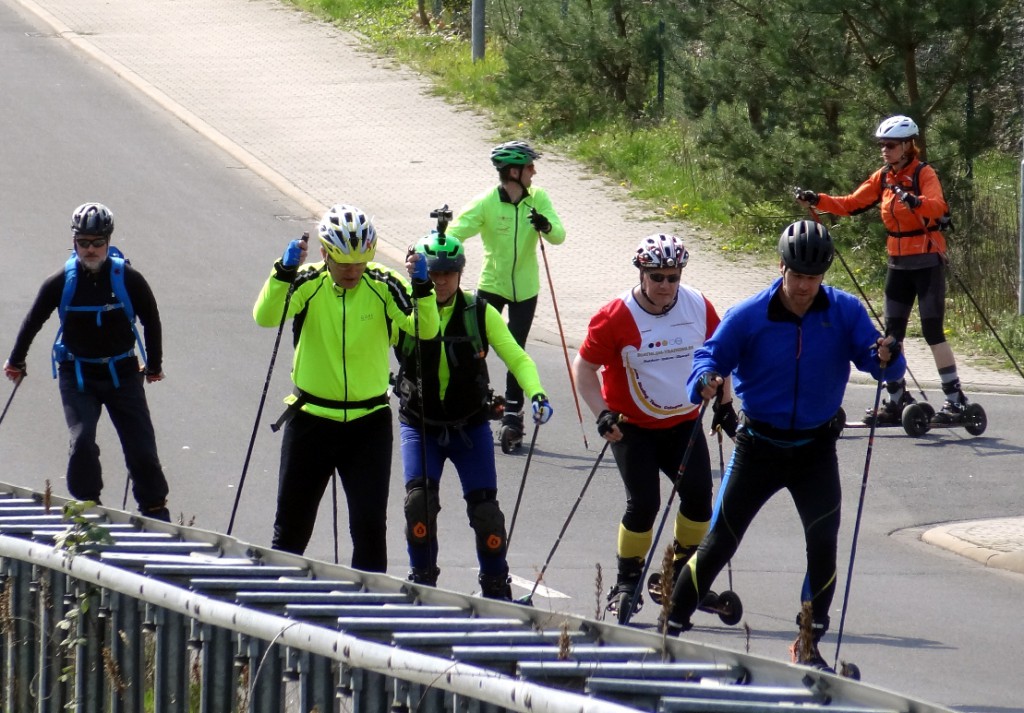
487, 521
422, 504
931, 330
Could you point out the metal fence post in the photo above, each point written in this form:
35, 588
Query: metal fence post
127, 652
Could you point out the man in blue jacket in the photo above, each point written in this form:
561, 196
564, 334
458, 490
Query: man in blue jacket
789, 350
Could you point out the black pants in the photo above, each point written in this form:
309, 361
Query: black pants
129, 412
761, 467
360, 450
520, 319
643, 452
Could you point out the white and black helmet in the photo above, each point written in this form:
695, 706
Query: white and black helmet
92, 219
660, 250
348, 235
899, 128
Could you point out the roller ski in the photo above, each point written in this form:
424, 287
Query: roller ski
804, 650
726, 605
620, 596
511, 434
918, 417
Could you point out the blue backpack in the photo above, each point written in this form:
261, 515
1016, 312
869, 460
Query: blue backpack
60, 352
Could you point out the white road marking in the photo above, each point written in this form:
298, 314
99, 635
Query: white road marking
542, 591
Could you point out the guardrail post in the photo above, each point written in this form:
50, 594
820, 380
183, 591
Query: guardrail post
265, 675
127, 653
89, 651
18, 626
52, 588
218, 670
171, 663
316, 683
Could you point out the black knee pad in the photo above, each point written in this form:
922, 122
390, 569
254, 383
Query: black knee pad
421, 508
487, 521
931, 330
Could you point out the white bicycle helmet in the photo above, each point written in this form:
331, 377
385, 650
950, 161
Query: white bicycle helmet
348, 235
899, 127
660, 250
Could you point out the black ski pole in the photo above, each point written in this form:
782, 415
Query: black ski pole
263, 400
522, 485
697, 428
528, 599
17, 383
856, 522
334, 512
871, 307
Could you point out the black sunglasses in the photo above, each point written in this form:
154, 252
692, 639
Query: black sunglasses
661, 277
90, 242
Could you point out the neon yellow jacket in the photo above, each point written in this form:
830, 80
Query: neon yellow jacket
510, 266
345, 336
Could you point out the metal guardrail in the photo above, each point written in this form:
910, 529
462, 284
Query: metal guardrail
175, 619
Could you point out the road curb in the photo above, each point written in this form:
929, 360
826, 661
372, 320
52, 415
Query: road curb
949, 537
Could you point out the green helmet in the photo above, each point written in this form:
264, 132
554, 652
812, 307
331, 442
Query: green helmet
442, 252
513, 153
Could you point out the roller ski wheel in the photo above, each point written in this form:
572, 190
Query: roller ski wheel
726, 605
916, 420
511, 438
619, 603
972, 419
849, 670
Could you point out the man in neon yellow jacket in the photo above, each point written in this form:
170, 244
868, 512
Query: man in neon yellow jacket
346, 311
510, 219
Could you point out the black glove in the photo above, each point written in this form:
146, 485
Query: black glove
606, 421
539, 222
909, 199
725, 419
806, 196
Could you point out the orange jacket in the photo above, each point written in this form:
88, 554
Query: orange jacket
911, 232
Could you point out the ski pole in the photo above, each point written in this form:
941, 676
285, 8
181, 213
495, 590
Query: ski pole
863, 296
856, 522
334, 512
522, 485
528, 599
17, 383
697, 428
263, 400
565, 349
721, 469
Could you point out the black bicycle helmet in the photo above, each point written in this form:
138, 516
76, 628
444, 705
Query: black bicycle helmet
807, 248
92, 219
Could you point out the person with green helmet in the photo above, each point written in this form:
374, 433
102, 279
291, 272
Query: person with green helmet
444, 414
510, 219
346, 311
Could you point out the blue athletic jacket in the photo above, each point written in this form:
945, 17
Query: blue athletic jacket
788, 371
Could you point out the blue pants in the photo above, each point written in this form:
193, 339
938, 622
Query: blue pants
129, 413
474, 462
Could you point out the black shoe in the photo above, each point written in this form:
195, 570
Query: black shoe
424, 575
495, 586
952, 410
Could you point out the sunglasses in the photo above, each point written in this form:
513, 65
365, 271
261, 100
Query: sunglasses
90, 242
890, 145
661, 277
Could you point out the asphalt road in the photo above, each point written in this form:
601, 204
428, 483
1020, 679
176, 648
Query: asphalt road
205, 232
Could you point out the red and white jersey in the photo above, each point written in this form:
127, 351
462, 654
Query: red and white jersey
647, 358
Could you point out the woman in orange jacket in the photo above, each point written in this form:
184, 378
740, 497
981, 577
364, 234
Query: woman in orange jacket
914, 212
